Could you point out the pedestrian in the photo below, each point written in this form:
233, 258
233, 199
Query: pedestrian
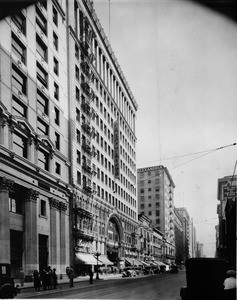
71, 276
230, 285
91, 275
21, 277
37, 280
55, 279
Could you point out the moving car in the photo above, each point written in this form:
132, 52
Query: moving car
205, 277
7, 286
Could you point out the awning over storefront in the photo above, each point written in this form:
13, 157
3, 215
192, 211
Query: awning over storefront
132, 262
145, 264
87, 259
105, 261
160, 263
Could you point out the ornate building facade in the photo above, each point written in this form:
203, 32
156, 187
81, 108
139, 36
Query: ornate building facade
67, 141
34, 172
102, 142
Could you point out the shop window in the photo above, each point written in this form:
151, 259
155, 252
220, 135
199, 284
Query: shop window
18, 49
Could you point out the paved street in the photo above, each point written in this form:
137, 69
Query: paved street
152, 287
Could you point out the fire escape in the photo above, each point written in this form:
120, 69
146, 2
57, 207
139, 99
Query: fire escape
83, 227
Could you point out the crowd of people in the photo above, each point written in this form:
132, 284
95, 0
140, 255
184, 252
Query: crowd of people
47, 279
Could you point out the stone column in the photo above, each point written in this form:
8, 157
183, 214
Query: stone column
5, 250
31, 234
53, 231
62, 245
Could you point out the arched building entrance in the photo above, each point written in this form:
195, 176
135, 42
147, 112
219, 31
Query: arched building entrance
114, 243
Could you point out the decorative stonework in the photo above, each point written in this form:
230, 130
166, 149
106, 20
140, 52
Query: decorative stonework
54, 203
6, 184
32, 195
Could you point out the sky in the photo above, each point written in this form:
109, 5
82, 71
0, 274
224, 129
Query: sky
180, 61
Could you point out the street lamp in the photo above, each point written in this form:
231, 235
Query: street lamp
97, 254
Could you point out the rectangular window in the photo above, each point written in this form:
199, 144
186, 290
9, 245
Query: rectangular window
55, 16
55, 41
57, 141
76, 51
18, 49
77, 72
78, 136
41, 22
41, 48
43, 160
18, 108
19, 144
42, 103
78, 177
57, 116
78, 157
77, 114
56, 91
43, 208
55, 66
77, 94
20, 22
157, 213
42, 127
42, 75
57, 168
142, 206
15, 204
19, 80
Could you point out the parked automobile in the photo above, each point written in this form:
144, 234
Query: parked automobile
129, 273
204, 277
7, 285
174, 268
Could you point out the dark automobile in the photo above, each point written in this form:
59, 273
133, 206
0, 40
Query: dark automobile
204, 277
7, 286
174, 268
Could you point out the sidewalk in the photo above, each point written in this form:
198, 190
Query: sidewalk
28, 288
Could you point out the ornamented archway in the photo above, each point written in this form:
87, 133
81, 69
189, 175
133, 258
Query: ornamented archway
115, 235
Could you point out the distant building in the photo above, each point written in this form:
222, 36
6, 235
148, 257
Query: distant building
156, 201
192, 243
179, 240
199, 251
186, 231
226, 210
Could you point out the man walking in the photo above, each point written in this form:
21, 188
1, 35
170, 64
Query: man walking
91, 275
71, 276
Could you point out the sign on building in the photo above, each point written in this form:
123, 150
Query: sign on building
116, 151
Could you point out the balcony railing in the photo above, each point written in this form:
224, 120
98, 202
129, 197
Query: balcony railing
87, 189
86, 147
86, 127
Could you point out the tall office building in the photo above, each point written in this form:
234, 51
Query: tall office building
156, 201
34, 152
67, 140
102, 140
186, 231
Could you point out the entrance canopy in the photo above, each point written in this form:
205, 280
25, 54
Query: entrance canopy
87, 259
105, 261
